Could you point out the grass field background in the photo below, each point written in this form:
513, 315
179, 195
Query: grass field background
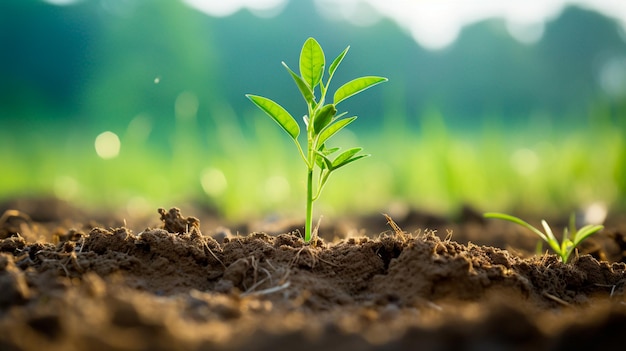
504, 116
535, 167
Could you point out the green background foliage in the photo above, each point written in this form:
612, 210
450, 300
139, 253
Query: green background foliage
487, 121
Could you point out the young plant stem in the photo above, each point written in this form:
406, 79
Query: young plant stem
310, 163
571, 237
309, 205
322, 121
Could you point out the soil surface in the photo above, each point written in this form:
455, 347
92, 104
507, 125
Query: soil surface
67, 283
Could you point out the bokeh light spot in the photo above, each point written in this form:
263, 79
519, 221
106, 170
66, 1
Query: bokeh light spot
213, 182
107, 145
595, 213
525, 162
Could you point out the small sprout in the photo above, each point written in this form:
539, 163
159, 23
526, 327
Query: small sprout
571, 236
321, 122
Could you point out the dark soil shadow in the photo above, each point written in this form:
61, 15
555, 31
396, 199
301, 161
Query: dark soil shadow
173, 288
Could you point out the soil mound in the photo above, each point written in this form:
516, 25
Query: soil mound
172, 288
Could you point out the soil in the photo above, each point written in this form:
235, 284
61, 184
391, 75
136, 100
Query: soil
67, 283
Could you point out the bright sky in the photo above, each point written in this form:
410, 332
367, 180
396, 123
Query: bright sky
434, 24
221, 8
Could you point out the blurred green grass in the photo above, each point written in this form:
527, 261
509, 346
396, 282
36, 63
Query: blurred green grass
170, 81
251, 171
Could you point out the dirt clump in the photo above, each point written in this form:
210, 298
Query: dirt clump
173, 288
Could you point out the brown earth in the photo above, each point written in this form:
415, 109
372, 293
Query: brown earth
68, 284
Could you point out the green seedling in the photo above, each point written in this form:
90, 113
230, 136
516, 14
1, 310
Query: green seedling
322, 121
571, 236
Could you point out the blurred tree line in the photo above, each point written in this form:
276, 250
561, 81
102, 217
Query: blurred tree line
101, 63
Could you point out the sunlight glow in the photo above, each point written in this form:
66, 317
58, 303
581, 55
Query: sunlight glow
107, 145
435, 24
221, 8
595, 213
525, 33
277, 189
65, 187
525, 161
138, 207
213, 182
61, 2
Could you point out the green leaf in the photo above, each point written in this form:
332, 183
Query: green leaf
312, 63
322, 150
320, 162
323, 117
567, 245
337, 61
277, 113
516, 220
306, 92
339, 116
552, 241
345, 156
330, 151
572, 225
356, 86
323, 162
584, 232
333, 128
